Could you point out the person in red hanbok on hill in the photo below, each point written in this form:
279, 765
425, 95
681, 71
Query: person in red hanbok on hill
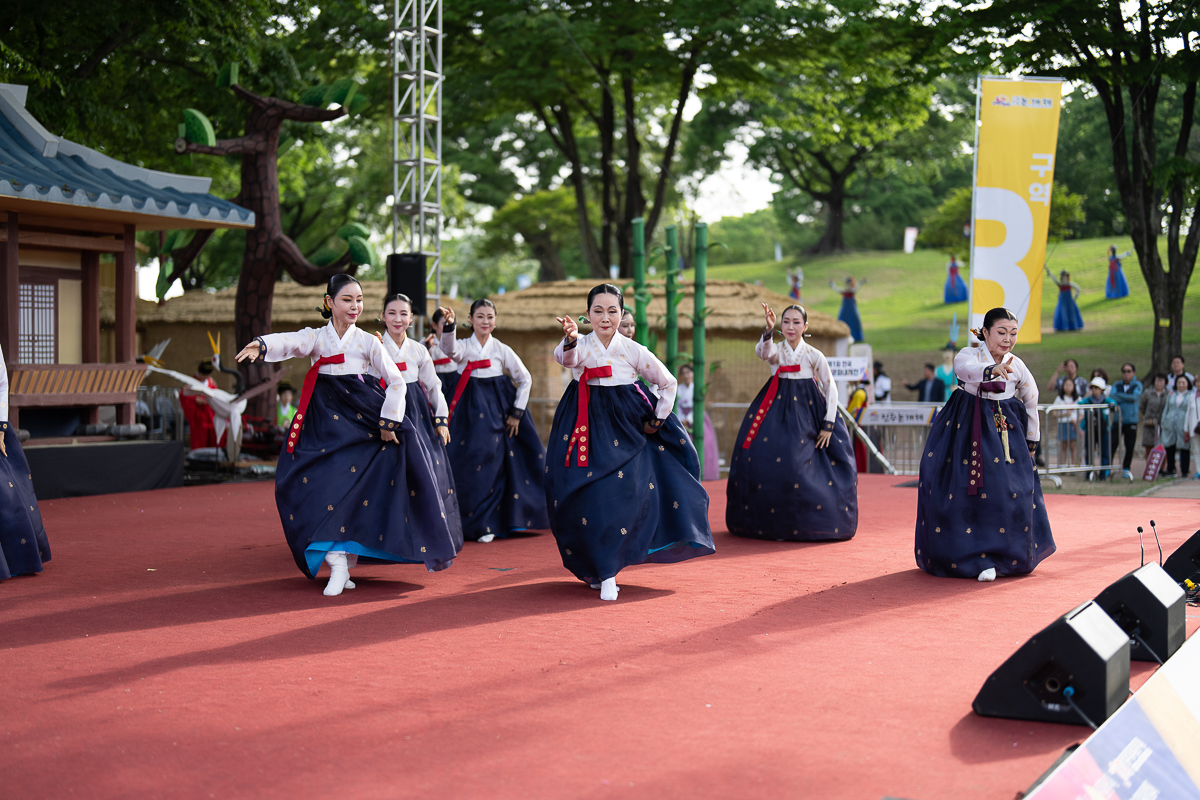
197, 411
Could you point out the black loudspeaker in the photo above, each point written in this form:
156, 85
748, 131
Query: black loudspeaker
1150, 608
1185, 561
1082, 657
406, 274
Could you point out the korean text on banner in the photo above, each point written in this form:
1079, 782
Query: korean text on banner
1014, 172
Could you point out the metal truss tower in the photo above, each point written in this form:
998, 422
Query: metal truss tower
417, 132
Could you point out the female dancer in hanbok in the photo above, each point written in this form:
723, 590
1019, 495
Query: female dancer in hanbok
497, 457
955, 290
1115, 287
622, 482
849, 310
354, 481
1066, 313
793, 476
23, 543
980, 511
443, 365
424, 404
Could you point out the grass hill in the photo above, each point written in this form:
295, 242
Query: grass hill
906, 322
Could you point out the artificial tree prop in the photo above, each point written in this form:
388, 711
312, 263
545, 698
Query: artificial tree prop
268, 249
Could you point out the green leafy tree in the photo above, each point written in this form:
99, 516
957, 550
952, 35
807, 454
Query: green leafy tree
608, 89
1130, 55
824, 123
544, 222
943, 229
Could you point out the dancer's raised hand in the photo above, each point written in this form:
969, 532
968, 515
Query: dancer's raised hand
447, 318
569, 326
251, 351
770, 316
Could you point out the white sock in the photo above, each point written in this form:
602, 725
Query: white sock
609, 589
487, 537
988, 575
339, 573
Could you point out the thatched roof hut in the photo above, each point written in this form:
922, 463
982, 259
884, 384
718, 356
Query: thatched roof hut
735, 308
525, 322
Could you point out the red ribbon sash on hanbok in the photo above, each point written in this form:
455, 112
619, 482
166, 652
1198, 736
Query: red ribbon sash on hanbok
976, 480
765, 406
462, 382
441, 362
1113, 266
400, 365
579, 435
310, 383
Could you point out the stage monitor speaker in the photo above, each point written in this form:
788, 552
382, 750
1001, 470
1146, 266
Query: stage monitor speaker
406, 274
1151, 609
1081, 658
1185, 561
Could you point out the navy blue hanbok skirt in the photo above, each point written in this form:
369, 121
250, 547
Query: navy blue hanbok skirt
345, 489
1003, 526
418, 412
23, 542
1066, 313
849, 315
498, 479
783, 487
449, 382
638, 501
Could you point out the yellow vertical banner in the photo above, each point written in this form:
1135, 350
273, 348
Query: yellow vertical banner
1014, 172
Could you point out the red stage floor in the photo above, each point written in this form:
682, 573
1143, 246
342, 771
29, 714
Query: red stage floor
171, 649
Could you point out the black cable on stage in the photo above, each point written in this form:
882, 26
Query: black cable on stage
1142, 642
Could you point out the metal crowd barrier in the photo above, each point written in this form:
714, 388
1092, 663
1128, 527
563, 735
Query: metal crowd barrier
895, 433
1081, 439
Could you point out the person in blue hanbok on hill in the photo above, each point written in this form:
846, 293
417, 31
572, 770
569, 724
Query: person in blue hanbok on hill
956, 287
495, 452
355, 482
622, 479
980, 511
424, 404
23, 543
1115, 287
794, 476
1066, 313
849, 310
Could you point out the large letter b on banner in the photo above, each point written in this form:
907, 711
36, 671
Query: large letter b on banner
1002, 263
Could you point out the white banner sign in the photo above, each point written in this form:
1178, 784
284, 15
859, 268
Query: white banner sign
915, 414
848, 368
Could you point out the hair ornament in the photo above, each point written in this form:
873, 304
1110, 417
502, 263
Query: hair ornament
977, 332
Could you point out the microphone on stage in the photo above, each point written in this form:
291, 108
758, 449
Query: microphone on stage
1142, 546
1157, 542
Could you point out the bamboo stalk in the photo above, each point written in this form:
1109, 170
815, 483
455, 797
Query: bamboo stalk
640, 296
672, 290
698, 330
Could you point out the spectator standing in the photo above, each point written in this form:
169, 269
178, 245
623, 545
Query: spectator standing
1125, 395
945, 372
929, 389
883, 384
1150, 407
1191, 424
1068, 425
1173, 430
1067, 370
1177, 369
1097, 433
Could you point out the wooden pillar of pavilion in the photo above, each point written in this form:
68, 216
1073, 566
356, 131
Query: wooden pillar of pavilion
125, 333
